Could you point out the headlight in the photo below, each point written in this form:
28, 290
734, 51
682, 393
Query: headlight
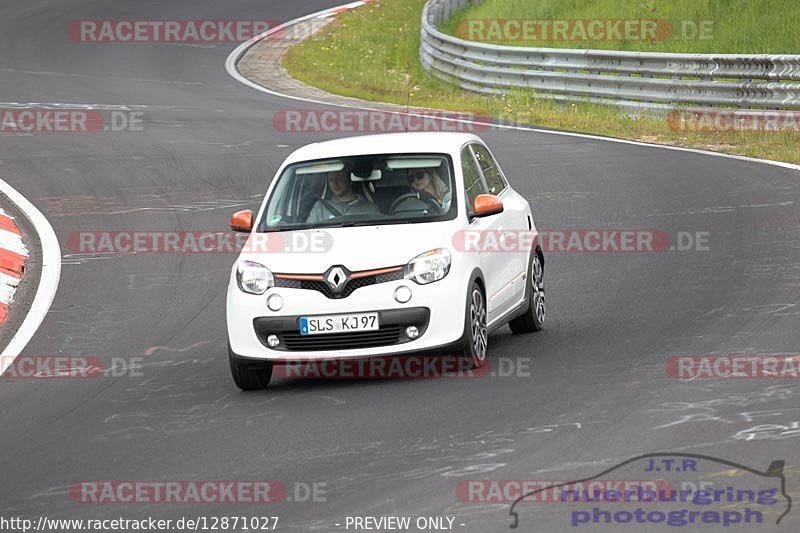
254, 278
429, 267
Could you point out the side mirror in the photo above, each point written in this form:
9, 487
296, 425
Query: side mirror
486, 205
242, 221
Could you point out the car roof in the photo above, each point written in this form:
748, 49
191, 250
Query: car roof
390, 143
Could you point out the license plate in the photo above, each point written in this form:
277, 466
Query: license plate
316, 325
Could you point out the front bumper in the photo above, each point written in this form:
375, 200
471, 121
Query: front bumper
393, 323
435, 309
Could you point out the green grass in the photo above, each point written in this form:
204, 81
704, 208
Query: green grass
372, 53
736, 26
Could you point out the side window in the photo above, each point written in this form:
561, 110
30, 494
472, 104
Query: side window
494, 180
473, 181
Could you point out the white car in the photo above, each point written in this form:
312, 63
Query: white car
382, 245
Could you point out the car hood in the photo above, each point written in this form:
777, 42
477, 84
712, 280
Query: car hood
355, 248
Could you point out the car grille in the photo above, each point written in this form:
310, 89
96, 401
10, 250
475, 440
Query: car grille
384, 336
352, 284
391, 332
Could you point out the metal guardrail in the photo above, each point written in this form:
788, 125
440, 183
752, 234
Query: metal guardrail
638, 79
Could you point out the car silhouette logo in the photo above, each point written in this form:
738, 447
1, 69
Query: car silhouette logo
775, 471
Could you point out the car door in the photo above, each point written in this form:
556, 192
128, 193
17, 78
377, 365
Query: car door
497, 275
513, 254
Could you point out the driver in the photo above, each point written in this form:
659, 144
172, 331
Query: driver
343, 202
425, 180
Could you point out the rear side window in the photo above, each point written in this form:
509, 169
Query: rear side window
491, 172
473, 181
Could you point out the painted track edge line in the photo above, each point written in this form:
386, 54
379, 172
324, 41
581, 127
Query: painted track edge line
48, 280
236, 54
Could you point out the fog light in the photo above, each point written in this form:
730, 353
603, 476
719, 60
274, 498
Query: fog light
412, 332
402, 294
275, 302
273, 341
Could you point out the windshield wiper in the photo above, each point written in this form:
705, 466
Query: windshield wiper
341, 225
303, 227
284, 228
352, 224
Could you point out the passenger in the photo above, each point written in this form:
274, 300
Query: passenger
343, 201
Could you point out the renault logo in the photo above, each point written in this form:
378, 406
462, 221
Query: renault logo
336, 278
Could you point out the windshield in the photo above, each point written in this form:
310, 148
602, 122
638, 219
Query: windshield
361, 191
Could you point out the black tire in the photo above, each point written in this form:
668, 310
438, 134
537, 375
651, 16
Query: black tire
533, 318
249, 374
475, 331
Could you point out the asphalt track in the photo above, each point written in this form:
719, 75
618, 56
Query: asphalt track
598, 392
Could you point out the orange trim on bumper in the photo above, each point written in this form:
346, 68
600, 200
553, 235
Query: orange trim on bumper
376, 272
300, 277
353, 275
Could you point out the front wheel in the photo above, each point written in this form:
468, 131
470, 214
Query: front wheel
475, 324
249, 374
533, 317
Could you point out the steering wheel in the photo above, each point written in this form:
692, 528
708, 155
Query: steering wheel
422, 196
431, 201
400, 199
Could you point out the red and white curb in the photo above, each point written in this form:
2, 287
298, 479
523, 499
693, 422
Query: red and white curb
13, 255
50, 270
